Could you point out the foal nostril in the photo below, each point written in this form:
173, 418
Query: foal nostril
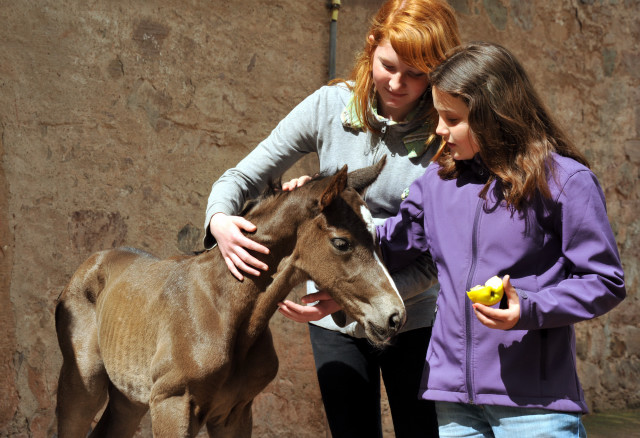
395, 321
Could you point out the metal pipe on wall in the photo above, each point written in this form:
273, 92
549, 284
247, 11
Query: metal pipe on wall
333, 36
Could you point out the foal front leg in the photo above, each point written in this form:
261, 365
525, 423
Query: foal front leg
238, 425
172, 417
120, 418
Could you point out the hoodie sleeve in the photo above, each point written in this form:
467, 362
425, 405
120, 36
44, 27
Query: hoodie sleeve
292, 138
417, 277
595, 280
402, 237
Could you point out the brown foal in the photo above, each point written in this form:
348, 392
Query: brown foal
184, 339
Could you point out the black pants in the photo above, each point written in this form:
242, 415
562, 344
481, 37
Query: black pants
349, 375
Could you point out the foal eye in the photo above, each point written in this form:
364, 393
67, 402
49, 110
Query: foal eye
341, 244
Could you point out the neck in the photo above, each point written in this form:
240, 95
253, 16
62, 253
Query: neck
255, 298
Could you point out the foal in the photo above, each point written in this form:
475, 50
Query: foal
185, 339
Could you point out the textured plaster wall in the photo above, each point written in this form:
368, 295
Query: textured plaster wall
116, 117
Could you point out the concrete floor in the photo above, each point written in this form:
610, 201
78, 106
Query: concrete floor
615, 424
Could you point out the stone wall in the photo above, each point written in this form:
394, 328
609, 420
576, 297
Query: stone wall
116, 117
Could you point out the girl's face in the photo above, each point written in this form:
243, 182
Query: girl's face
453, 125
398, 85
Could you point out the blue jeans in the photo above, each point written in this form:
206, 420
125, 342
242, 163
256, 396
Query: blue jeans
484, 421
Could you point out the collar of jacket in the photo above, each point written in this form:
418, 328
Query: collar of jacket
415, 142
477, 166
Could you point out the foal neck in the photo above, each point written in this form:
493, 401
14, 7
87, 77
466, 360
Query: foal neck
277, 219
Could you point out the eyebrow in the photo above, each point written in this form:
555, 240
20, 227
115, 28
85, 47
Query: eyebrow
443, 109
384, 59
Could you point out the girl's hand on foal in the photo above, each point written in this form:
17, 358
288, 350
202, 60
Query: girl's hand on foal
295, 183
234, 245
309, 312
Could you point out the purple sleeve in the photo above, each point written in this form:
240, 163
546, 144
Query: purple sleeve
595, 284
402, 238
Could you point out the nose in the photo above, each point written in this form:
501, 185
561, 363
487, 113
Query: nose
441, 129
396, 81
396, 321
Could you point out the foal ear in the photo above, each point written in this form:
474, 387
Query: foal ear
337, 184
362, 178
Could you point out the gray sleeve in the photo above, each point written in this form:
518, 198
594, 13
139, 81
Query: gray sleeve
416, 278
295, 136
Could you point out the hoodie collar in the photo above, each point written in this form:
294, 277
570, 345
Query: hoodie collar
415, 142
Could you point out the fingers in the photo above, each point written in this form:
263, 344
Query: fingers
233, 269
246, 267
243, 223
306, 313
299, 313
295, 183
234, 245
487, 316
244, 241
503, 319
241, 258
303, 180
512, 294
316, 296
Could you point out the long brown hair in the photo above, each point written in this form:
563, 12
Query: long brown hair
420, 31
515, 132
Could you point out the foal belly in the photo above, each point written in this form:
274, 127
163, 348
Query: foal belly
127, 343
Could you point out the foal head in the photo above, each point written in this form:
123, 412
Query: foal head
337, 249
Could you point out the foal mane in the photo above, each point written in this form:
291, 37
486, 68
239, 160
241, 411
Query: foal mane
359, 180
274, 190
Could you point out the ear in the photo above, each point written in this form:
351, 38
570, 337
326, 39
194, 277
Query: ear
362, 178
337, 184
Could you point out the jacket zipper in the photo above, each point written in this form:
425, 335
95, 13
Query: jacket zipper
468, 307
377, 149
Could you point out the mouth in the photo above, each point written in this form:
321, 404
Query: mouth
379, 336
394, 94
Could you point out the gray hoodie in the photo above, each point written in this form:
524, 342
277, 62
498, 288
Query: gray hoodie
325, 123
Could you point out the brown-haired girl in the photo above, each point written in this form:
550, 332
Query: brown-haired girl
510, 196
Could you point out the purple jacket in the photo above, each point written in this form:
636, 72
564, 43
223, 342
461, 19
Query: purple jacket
563, 261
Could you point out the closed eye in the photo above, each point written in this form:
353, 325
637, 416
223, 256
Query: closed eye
341, 244
389, 68
449, 120
416, 74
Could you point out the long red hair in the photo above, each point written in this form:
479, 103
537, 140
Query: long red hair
420, 31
